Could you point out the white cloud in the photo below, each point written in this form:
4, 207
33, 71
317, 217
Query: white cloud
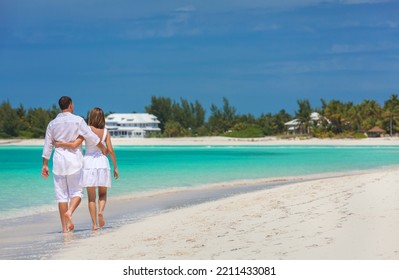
177, 22
190, 8
355, 2
360, 48
392, 24
267, 27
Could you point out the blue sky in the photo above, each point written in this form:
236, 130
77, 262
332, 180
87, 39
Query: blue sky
261, 55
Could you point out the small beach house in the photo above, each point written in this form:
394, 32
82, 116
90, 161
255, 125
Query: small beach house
375, 132
131, 125
294, 125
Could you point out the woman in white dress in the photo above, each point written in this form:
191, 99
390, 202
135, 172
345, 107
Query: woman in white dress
96, 172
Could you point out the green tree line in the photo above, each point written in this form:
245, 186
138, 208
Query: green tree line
185, 118
24, 123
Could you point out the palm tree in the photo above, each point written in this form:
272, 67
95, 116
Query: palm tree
370, 112
391, 111
303, 114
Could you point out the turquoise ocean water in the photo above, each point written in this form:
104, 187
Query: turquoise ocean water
143, 168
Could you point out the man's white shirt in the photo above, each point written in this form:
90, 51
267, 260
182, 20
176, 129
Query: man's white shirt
66, 127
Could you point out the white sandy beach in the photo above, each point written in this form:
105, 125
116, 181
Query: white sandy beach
215, 140
352, 217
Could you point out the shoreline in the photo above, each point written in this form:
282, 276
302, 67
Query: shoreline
353, 216
220, 140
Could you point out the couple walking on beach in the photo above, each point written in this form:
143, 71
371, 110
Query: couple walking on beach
72, 171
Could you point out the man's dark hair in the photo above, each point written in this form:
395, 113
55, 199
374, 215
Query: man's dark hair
64, 102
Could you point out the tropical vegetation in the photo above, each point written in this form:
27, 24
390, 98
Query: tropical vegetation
184, 118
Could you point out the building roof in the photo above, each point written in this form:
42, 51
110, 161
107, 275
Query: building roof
293, 122
132, 118
376, 129
314, 116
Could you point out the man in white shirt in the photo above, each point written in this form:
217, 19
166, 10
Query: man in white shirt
67, 163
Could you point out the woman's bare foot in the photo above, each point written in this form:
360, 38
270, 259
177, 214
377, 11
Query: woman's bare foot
68, 217
101, 221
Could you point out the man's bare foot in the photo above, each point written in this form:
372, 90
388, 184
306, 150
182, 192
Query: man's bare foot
68, 217
101, 221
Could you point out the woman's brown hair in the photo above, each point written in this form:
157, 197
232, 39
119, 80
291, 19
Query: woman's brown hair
97, 118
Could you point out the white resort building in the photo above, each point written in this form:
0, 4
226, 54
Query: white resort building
131, 125
293, 126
